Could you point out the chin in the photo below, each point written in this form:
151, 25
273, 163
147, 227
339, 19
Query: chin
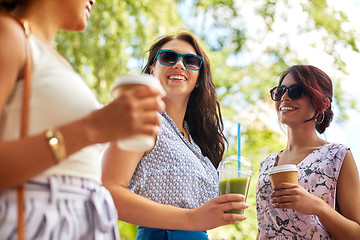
76, 28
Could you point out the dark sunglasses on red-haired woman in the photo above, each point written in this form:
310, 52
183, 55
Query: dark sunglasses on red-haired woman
295, 92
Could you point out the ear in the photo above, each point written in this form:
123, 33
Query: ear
328, 103
152, 69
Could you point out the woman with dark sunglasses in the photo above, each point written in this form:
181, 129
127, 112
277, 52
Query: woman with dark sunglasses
171, 191
325, 204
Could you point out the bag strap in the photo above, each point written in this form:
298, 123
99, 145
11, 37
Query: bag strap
21, 229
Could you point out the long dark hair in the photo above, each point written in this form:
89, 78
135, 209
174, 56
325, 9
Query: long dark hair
318, 86
8, 6
203, 113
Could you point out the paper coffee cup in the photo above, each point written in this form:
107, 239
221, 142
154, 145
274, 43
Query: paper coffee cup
283, 173
123, 83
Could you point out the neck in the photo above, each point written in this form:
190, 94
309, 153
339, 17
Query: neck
176, 110
42, 21
303, 137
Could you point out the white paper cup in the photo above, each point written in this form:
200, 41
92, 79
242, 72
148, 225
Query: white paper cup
283, 173
140, 142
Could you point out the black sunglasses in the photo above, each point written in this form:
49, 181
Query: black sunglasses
169, 58
295, 91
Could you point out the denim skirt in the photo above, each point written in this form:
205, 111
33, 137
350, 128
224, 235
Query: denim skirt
145, 233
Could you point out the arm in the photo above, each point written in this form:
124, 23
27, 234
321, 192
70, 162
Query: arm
344, 224
118, 168
26, 158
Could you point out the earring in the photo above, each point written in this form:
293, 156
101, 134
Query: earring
322, 119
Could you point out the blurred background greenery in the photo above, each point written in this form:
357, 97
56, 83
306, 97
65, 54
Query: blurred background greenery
249, 43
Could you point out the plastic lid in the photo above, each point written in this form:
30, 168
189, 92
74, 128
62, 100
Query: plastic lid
283, 168
231, 163
146, 79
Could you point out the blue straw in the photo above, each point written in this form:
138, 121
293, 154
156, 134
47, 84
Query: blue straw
239, 149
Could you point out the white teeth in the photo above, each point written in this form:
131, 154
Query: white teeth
177, 77
287, 108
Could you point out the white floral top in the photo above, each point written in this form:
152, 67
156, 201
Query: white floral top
318, 174
175, 172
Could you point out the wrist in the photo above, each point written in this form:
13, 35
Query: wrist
56, 143
321, 208
89, 130
191, 223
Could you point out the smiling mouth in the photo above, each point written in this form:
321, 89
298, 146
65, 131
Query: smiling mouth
286, 108
88, 8
177, 78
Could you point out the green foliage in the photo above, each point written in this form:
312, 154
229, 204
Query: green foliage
127, 231
117, 36
244, 68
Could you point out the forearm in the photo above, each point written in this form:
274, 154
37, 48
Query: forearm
337, 225
140, 211
28, 157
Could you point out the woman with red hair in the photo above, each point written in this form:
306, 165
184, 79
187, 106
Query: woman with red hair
325, 204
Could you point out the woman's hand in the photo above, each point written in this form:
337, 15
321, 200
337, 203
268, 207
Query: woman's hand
133, 112
292, 196
212, 214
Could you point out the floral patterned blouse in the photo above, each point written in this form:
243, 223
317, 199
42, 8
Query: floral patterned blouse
318, 174
175, 172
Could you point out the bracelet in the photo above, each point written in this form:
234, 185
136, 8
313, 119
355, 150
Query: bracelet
56, 143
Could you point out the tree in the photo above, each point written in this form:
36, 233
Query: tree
249, 43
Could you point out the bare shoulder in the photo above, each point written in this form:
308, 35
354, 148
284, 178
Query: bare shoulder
11, 34
349, 179
12, 55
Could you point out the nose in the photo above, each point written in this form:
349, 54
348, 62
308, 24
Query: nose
179, 63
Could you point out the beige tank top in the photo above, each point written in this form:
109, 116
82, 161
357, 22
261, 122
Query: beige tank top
58, 96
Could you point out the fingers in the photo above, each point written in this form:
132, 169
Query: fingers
285, 185
234, 205
146, 91
143, 98
232, 218
229, 198
151, 104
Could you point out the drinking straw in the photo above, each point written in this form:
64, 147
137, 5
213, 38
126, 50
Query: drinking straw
239, 149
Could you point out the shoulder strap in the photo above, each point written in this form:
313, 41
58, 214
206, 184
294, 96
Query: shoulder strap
24, 122
27, 79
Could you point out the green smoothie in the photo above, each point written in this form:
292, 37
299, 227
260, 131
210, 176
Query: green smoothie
234, 185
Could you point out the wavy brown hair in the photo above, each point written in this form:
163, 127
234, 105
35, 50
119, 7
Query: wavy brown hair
203, 113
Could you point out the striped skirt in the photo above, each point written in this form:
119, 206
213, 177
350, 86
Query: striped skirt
61, 207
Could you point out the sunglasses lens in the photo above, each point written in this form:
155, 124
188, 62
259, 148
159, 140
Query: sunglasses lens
296, 91
277, 93
167, 58
192, 62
